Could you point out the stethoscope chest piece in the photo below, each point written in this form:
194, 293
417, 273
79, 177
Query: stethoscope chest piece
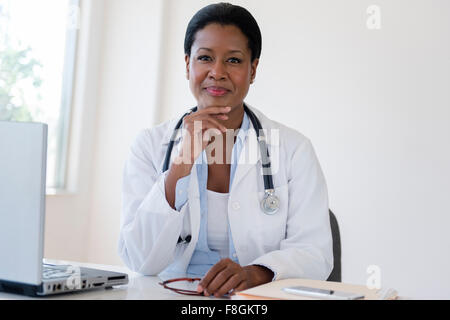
270, 204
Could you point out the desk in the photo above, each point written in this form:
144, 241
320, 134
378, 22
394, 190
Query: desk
139, 288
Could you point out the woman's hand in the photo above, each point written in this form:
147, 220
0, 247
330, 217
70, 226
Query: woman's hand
227, 276
198, 128
194, 141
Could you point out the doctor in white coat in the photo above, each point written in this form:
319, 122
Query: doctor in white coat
203, 216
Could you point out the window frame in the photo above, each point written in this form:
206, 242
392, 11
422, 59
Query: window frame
67, 94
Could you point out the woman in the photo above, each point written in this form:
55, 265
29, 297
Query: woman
202, 216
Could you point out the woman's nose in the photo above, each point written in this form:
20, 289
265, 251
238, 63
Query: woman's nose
218, 71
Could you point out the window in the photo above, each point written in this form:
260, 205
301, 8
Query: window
37, 58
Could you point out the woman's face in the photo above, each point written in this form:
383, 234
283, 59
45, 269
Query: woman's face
220, 69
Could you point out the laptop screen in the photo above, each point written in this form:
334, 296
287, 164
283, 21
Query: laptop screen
23, 156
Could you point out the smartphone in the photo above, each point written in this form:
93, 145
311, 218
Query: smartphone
322, 293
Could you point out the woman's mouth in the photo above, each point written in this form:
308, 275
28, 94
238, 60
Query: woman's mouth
217, 91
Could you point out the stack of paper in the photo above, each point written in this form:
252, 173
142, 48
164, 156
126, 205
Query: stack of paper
274, 290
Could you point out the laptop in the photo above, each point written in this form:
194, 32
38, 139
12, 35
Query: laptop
23, 160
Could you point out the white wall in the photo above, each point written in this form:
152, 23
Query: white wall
375, 103
116, 94
127, 102
68, 212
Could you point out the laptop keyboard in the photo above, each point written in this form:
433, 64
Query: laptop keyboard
58, 271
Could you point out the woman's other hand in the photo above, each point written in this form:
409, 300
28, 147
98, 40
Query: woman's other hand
227, 276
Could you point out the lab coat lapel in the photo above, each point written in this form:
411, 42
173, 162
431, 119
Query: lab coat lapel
249, 158
194, 204
193, 207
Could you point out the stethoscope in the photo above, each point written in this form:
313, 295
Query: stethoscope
270, 203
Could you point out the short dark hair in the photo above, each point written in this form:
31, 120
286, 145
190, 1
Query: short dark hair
225, 14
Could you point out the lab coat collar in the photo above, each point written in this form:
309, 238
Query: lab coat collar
169, 131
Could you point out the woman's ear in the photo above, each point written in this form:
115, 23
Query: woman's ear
253, 70
187, 59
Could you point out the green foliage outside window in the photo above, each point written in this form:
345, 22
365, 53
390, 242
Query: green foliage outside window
17, 68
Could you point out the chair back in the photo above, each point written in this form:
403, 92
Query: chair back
336, 273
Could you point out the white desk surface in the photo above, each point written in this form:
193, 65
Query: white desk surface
139, 287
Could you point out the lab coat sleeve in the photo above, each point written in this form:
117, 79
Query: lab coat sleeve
307, 250
149, 226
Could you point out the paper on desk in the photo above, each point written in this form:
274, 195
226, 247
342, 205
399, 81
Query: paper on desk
273, 290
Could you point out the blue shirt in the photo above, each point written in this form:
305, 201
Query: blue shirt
203, 258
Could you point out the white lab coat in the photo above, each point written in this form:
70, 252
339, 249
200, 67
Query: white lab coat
296, 242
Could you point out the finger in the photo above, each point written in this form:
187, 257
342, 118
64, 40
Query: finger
210, 275
209, 111
212, 110
220, 279
220, 116
204, 120
229, 285
240, 287
208, 132
216, 124
212, 135
208, 116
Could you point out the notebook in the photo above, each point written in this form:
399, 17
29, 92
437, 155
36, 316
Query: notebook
274, 290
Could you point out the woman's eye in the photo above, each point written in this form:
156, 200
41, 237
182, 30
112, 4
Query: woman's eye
203, 58
234, 60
